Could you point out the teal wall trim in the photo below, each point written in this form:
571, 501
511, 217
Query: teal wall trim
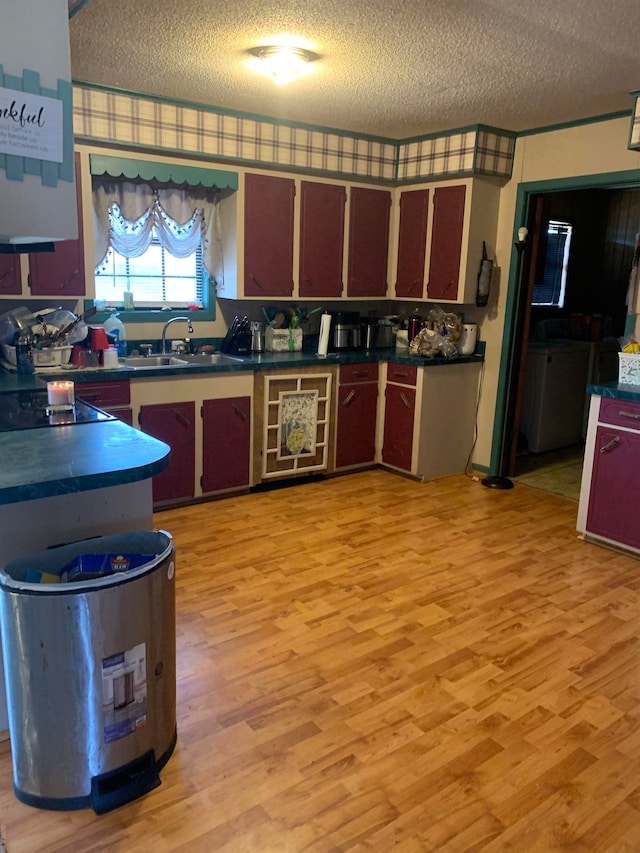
513, 301
161, 171
577, 123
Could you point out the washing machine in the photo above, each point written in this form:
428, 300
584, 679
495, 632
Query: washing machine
556, 375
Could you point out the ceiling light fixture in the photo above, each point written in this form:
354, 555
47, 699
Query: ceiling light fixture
282, 63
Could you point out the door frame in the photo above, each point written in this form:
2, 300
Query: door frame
513, 336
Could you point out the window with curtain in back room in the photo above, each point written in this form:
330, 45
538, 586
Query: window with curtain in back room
550, 285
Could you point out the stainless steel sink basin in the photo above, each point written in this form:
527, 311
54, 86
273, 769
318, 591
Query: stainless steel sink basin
153, 362
212, 358
147, 362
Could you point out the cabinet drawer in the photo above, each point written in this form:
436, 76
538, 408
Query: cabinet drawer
404, 374
350, 373
104, 393
619, 412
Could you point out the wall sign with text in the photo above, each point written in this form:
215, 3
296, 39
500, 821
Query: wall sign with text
36, 129
30, 125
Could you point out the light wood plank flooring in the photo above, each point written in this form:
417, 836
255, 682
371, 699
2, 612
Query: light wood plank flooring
374, 664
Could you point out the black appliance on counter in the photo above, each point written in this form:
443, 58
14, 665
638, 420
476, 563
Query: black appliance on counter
30, 410
345, 330
375, 333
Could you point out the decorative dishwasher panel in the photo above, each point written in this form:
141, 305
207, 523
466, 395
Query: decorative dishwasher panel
296, 424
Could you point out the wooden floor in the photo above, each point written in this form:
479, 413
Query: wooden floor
373, 664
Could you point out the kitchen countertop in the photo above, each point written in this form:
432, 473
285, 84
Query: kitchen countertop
253, 362
40, 463
44, 462
616, 391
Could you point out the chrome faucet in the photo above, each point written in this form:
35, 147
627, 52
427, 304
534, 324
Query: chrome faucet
166, 326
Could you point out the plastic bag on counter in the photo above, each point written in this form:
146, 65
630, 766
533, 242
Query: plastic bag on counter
429, 344
438, 337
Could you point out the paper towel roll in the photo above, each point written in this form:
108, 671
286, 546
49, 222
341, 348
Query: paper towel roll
323, 338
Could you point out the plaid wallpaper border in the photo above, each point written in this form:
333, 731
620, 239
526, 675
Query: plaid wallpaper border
143, 122
127, 120
634, 136
494, 152
473, 151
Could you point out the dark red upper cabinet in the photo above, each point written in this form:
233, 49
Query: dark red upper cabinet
268, 235
61, 272
446, 242
368, 242
321, 239
10, 274
412, 243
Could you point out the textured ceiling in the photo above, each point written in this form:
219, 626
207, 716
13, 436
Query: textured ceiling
393, 68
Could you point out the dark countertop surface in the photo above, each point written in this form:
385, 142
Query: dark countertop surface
50, 461
616, 391
41, 463
253, 362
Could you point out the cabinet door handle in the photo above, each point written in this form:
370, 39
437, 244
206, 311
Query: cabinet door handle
403, 397
181, 418
239, 412
610, 445
634, 415
400, 373
359, 372
309, 282
6, 273
68, 280
349, 398
414, 285
255, 281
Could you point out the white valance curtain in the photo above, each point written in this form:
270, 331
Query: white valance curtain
126, 214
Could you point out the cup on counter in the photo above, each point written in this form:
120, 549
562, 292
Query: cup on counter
60, 396
110, 358
402, 339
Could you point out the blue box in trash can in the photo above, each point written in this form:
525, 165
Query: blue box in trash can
92, 566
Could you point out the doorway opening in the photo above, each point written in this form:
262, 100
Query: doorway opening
564, 325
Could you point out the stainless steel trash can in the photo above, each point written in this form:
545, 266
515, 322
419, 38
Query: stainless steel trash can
89, 648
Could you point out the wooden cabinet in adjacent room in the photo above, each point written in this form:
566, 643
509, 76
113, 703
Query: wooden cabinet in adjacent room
268, 235
226, 443
356, 415
321, 239
369, 216
173, 423
61, 273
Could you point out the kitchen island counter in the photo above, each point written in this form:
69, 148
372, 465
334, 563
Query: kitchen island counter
40, 463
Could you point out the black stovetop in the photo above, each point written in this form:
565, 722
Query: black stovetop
29, 410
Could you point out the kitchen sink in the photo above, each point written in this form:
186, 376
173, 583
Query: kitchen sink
142, 362
212, 358
153, 362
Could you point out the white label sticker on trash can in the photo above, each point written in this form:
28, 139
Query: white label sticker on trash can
124, 692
